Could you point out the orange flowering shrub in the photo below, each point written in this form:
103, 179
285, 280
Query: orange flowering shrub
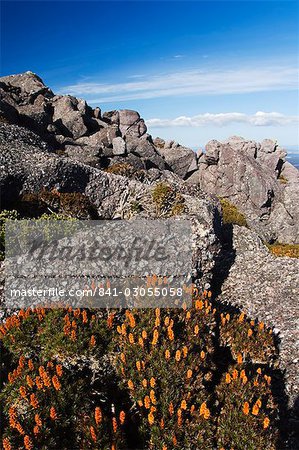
246, 406
159, 360
247, 339
146, 379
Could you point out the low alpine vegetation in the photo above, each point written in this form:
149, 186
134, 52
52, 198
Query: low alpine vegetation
149, 379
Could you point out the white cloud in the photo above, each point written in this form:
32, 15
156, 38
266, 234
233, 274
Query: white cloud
190, 82
260, 118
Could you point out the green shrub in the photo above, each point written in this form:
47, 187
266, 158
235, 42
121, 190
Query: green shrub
231, 214
167, 201
147, 379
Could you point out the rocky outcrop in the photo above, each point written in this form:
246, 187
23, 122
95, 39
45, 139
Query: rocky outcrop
28, 165
182, 160
250, 175
253, 176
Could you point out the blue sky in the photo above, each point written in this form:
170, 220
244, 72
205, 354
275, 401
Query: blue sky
194, 70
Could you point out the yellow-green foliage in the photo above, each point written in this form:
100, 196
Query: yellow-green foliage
146, 379
231, 214
168, 202
5, 215
290, 250
282, 179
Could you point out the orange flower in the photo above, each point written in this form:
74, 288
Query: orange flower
140, 342
38, 420
131, 384
250, 332
98, 415
36, 430
114, 424
93, 433
164, 447
180, 421
131, 318
174, 441
92, 341
166, 321
147, 402
245, 379
144, 383
228, 378
246, 408
6, 444
192, 409
84, 316
46, 380
59, 370
189, 374
198, 304
227, 317
23, 392
203, 408
162, 424
177, 355
255, 409
152, 382
259, 402
188, 315
185, 351
18, 427
27, 443
235, 374
56, 383
53, 414
184, 404
152, 397
259, 370
73, 335
140, 403
261, 325
33, 401
196, 329
266, 423
170, 333
122, 417
171, 409
239, 358
202, 354
131, 338
144, 334
155, 337
138, 365
151, 418
30, 382
157, 322
39, 383
30, 364
206, 414
167, 354
268, 379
